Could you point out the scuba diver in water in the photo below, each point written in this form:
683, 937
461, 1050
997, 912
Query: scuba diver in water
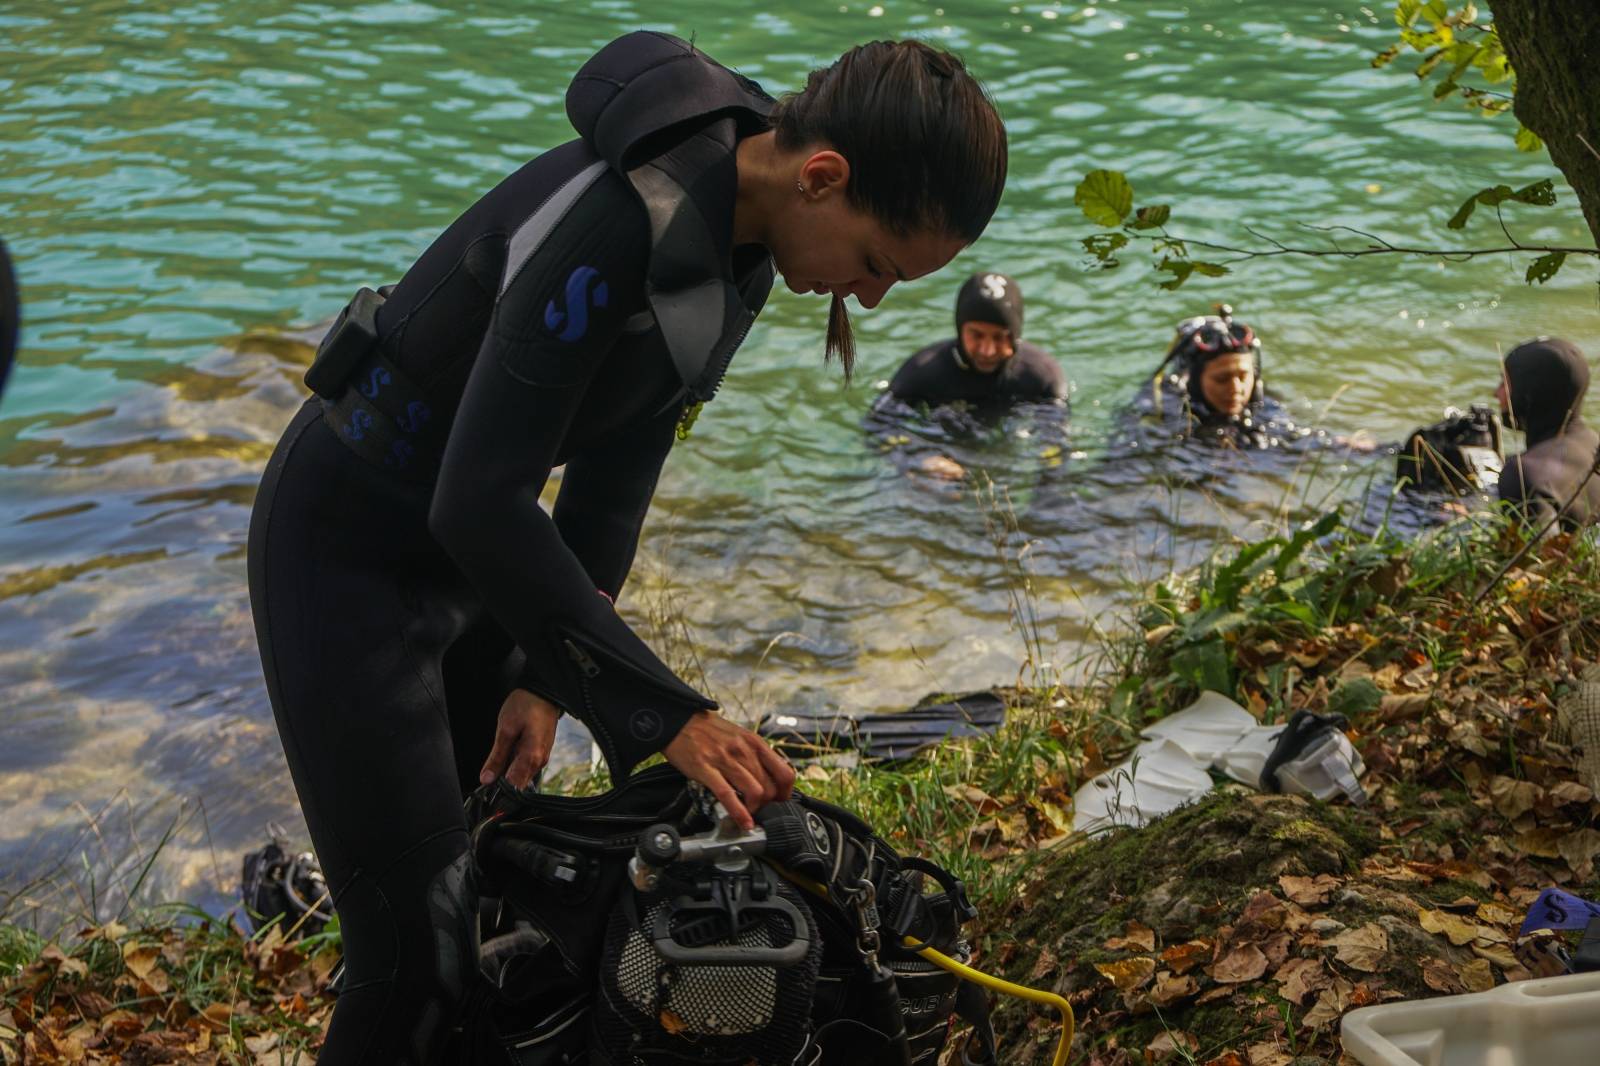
422, 620
1541, 392
985, 368
1214, 388
987, 361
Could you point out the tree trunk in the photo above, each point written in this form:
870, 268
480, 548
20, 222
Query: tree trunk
1554, 45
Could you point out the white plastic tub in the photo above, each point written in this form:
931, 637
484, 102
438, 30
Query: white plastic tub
1550, 1022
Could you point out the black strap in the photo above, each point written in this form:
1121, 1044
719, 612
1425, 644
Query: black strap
382, 416
1296, 736
972, 1007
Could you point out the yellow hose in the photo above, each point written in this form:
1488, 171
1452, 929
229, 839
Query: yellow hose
977, 977
1034, 995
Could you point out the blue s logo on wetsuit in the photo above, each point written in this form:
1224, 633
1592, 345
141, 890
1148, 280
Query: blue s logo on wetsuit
573, 323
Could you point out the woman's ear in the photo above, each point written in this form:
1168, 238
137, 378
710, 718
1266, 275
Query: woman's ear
826, 172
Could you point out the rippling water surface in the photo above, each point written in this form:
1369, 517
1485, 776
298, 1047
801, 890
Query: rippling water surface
189, 188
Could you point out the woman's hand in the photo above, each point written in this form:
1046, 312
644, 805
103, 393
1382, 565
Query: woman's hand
739, 768
522, 739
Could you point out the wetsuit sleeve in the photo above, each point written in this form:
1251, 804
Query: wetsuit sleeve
605, 493
1531, 506
559, 313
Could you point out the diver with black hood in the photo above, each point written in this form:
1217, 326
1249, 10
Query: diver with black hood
422, 620
966, 384
1541, 392
987, 361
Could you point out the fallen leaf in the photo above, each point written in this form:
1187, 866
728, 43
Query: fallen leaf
1184, 957
1330, 1005
1565, 792
1499, 954
1243, 963
1438, 975
1498, 913
1309, 891
1043, 966
1268, 1055
1512, 798
140, 959
1137, 937
1579, 850
1170, 989
1460, 931
1298, 978
1475, 976
1541, 843
216, 1016
1227, 1058
980, 800
1127, 974
1361, 949
1171, 1042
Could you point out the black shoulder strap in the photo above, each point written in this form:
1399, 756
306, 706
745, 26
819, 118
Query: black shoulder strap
669, 119
644, 92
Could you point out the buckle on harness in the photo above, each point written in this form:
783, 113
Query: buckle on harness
354, 334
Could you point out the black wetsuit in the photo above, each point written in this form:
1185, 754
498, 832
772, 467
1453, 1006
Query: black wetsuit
941, 374
1547, 381
396, 611
1176, 412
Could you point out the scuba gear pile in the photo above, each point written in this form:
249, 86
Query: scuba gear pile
806, 940
288, 888
611, 936
1459, 454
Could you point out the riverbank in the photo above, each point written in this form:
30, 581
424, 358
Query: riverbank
1235, 932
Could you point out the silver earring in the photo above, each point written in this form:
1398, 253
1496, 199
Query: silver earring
800, 186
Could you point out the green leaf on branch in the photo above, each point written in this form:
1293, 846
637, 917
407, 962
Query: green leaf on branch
1153, 217
1406, 12
1105, 196
1540, 194
1527, 140
1387, 56
1182, 269
1544, 268
1104, 246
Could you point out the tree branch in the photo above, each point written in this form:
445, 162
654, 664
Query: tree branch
1378, 246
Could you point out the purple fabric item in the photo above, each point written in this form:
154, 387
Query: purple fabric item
1555, 909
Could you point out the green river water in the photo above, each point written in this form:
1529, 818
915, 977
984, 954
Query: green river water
190, 188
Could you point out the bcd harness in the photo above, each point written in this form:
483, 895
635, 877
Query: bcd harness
668, 119
807, 940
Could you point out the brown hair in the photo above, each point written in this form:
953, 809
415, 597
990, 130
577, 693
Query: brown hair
926, 147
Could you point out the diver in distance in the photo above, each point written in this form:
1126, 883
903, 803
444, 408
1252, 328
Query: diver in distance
965, 381
10, 316
423, 622
987, 361
1541, 392
1210, 387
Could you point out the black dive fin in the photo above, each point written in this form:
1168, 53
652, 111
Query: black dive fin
888, 737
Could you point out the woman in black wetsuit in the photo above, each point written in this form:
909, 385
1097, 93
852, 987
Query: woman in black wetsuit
422, 621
